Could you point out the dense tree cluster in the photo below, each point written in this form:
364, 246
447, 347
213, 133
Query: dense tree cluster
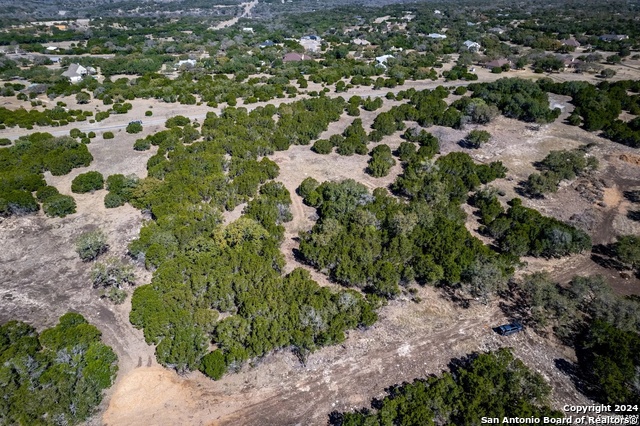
375, 242
204, 268
55, 377
517, 98
493, 385
21, 173
521, 231
558, 166
57, 116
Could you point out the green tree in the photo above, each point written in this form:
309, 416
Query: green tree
134, 127
476, 138
59, 206
56, 377
87, 182
627, 250
83, 98
213, 365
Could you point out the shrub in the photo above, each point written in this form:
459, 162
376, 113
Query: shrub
476, 138
213, 365
353, 110
307, 187
101, 115
142, 145
91, 135
380, 162
116, 295
113, 200
460, 91
59, 206
75, 133
5, 141
92, 244
108, 135
83, 98
85, 182
322, 146
17, 202
112, 274
134, 127
177, 121
46, 192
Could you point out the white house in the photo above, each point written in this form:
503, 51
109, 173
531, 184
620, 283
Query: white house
75, 72
189, 62
52, 48
360, 42
472, 45
247, 30
437, 36
381, 61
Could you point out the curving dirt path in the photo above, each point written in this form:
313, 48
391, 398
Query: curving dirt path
246, 13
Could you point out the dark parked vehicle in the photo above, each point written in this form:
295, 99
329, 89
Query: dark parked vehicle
508, 329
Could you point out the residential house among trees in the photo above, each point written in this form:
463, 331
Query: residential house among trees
571, 42
472, 46
293, 57
498, 63
614, 37
75, 73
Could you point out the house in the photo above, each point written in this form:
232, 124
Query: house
75, 73
55, 59
571, 42
497, 30
293, 57
189, 63
247, 30
437, 36
360, 42
382, 60
498, 63
266, 43
52, 48
472, 46
437, 12
569, 61
613, 37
